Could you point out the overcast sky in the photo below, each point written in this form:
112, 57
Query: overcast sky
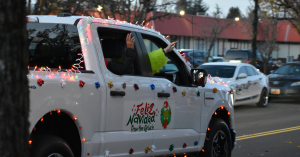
226, 4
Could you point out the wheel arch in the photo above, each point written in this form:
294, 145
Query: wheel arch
60, 123
222, 112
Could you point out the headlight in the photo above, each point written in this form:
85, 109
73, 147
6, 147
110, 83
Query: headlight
296, 84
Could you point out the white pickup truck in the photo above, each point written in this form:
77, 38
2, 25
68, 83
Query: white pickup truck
79, 108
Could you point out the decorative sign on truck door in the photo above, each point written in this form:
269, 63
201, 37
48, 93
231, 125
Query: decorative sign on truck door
146, 116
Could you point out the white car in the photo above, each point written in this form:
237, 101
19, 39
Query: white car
247, 83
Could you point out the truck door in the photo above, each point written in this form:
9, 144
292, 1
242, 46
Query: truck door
178, 102
129, 97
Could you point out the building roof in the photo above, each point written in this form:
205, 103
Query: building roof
239, 30
201, 27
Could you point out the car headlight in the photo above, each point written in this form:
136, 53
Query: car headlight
296, 84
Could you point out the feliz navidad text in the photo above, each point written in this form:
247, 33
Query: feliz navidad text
144, 115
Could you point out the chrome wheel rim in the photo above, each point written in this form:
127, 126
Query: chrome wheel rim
220, 145
55, 155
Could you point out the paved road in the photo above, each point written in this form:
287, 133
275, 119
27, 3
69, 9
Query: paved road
273, 131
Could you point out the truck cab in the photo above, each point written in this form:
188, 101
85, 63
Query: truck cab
79, 108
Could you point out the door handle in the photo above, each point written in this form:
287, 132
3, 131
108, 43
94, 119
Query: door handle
117, 93
163, 94
260, 78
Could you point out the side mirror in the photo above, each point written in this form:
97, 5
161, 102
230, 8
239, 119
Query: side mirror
272, 71
242, 75
199, 77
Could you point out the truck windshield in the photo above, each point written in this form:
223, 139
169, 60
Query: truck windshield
53, 45
219, 70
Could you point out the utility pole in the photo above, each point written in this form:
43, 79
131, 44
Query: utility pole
254, 25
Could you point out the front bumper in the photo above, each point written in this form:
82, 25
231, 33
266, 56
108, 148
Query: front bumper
286, 92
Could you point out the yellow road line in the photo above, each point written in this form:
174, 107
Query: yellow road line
279, 130
267, 133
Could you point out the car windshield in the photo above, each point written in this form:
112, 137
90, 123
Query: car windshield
219, 70
288, 70
236, 55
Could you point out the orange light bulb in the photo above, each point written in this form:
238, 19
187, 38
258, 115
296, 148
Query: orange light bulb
30, 142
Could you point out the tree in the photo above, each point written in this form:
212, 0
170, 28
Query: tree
213, 30
283, 9
181, 5
46, 7
28, 7
233, 13
131, 10
192, 6
269, 31
254, 31
14, 99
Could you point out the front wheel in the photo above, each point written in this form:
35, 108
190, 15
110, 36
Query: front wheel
263, 100
50, 146
218, 140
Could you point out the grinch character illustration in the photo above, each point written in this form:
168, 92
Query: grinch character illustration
165, 116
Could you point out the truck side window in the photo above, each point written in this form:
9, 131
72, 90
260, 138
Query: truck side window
113, 44
174, 70
53, 45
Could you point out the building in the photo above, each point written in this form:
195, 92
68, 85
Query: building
237, 35
191, 31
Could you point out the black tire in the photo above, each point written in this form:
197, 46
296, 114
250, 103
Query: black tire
50, 146
218, 141
263, 100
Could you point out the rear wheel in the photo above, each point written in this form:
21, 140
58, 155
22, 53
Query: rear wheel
263, 100
50, 146
218, 142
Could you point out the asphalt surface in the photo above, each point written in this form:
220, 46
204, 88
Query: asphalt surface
273, 131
